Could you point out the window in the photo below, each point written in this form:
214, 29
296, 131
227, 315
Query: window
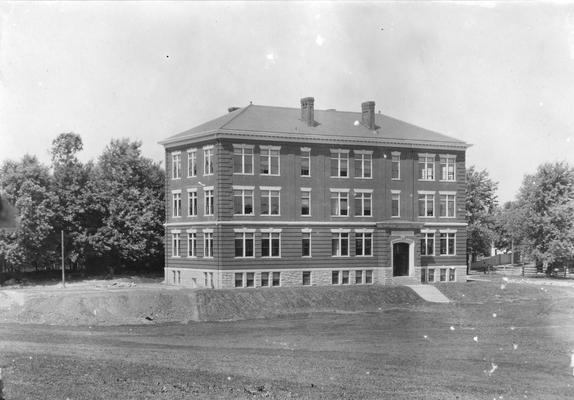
175, 244
363, 202
176, 195
208, 200
339, 163
396, 165
305, 161
447, 243
242, 200
447, 168
305, 201
427, 244
340, 202
249, 279
363, 164
306, 244
340, 244
426, 167
244, 244
205, 279
239, 279
207, 244
335, 277
191, 163
345, 278
179, 277
243, 159
431, 275
442, 275
192, 202
191, 244
423, 275
363, 243
270, 243
176, 165
270, 199
369, 276
395, 203
358, 277
426, 204
451, 275
306, 278
276, 279
265, 279
447, 205
208, 160
269, 160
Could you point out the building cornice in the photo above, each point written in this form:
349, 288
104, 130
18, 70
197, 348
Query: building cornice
310, 138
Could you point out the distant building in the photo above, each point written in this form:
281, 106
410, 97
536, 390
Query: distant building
274, 196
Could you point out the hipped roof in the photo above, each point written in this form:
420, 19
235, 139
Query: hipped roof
285, 123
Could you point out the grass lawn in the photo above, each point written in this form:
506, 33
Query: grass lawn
497, 340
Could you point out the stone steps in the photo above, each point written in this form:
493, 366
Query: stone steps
429, 293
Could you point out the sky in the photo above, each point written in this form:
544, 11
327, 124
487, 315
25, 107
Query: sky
498, 75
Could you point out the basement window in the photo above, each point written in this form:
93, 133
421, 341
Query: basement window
345, 280
238, 279
306, 278
276, 279
451, 275
358, 277
335, 277
250, 279
265, 279
369, 276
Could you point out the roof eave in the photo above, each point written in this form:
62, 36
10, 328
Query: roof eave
310, 138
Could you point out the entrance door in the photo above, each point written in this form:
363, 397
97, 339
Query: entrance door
400, 259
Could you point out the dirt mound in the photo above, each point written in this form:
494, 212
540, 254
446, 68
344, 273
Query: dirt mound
260, 303
160, 305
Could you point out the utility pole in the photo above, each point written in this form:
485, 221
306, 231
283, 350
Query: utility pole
63, 274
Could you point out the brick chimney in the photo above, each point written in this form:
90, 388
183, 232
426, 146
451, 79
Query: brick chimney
368, 114
308, 110
231, 109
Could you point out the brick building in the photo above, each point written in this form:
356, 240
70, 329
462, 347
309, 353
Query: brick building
274, 196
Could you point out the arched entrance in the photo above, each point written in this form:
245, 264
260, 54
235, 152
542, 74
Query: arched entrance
401, 259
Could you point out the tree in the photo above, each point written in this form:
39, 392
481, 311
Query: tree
481, 204
71, 179
546, 200
128, 194
28, 185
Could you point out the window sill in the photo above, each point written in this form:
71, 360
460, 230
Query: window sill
332, 256
427, 180
340, 216
447, 180
395, 216
339, 177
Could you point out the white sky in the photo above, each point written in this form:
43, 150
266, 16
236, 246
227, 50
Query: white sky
497, 75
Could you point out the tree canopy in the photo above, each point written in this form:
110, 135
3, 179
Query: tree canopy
546, 206
112, 211
481, 203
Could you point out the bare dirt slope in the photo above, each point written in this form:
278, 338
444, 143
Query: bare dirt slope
114, 304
